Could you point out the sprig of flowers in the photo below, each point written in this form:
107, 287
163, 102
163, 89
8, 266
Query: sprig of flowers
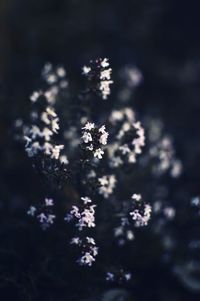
44, 213
98, 74
84, 215
94, 139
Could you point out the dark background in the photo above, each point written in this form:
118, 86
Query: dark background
162, 39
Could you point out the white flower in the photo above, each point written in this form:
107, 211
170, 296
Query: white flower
51, 94
42, 217
116, 116
90, 240
86, 259
47, 133
45, 118
86, 70
87, 137
103, 181
169, 212
105, 88
136, 197
49, 202
56, 151
94, 251
55, 125
138, 142
61, 72
35, 132
98, 153
118, 231
75, 241
51, 78
50, 111
75, 212
47, 147
32, 210
86, 200
33, 149
35, 95
63, 159
109, 276
131, 158
28, 140
102, 129
124, 149
106, 74
130, 235
89, 126
104, 63
90, 148
195, 201
104, 138
50, 218
127, 276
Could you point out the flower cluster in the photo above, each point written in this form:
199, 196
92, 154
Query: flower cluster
130, 138
88, 250
85, 217
107, 185
43, 213
94, 138
39, 138
99, 75
131, 215
141, 212
40, 135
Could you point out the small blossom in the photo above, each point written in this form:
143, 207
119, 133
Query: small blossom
35, 95
90, 240
136, 197
32, 210
105, 88
86, 259
63, 159
104, 63
42, 218
110, 277
49, 202
103, 138
89, 126
98, 153
75, 241
86, 70
61, 72
86, 200
87, 137
50, 218
55, 153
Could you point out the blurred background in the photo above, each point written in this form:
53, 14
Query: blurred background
162, 39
